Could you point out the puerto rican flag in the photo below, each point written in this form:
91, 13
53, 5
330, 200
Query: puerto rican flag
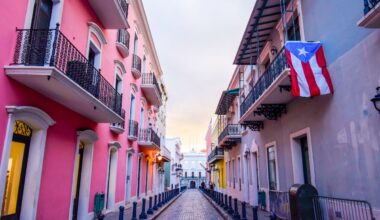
308, 70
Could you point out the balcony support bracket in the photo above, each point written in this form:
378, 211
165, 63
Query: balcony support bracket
271, 111
253, 125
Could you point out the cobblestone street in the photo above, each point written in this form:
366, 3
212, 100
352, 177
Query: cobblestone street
192, 205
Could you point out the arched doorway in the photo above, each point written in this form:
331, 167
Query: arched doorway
15, 177
192, 184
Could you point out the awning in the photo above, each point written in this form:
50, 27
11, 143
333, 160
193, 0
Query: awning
264, 18
226, 100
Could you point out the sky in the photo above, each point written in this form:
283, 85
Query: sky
196, 42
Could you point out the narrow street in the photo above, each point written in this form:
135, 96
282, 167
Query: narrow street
191, 205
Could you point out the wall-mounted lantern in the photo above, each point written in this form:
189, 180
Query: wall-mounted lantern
376, 99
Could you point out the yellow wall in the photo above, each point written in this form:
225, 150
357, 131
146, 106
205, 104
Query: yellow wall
222, 174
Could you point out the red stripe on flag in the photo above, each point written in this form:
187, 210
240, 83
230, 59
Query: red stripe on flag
309, 75
293, 75
321, 60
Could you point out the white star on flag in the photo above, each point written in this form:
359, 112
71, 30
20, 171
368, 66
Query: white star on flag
302, 51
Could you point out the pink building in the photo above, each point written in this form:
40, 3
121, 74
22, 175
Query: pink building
78, 107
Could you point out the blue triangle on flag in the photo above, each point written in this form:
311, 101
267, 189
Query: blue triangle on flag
303, 50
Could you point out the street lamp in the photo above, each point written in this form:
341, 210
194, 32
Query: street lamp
376, 99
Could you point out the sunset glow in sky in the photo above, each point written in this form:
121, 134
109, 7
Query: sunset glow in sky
196, 41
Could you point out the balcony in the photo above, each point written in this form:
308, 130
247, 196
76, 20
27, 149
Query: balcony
148, 139
133, 130
215, 155
151, 89
136, 66
47, 62
230, 136
268, 98
119, 128
122, 42
371, 18
113, 14
165, 153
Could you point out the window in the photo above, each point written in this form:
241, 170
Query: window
185, 174
302, 158
293, 31
272, 172
132, 108
119, 84
135, 44
142, 118
192, 174
200, 174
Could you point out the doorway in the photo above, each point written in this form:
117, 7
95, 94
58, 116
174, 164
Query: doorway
128, 180
15, 177
192, 184
39, 33
302, 157
139, 178
111, 186
78, 176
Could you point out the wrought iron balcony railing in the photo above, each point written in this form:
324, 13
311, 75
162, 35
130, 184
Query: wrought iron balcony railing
136, 62
230, 130
123, 37
50, 47
369, 5
216, 152
149, 135
133, 129
121, 124
124, 7
278, 65
150, 79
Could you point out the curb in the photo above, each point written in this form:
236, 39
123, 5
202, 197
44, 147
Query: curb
216, 206
160, 211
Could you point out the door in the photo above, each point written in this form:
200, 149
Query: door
139, 179
17, 163
128, 180
78, 177
305, 160
39, 34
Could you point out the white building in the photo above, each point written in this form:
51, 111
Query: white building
194, 169
174, 146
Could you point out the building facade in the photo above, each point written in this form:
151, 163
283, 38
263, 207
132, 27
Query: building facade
80, 79
216, 172
330, 142
175, 169
194, 169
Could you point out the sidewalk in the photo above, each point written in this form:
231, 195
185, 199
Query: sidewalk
262, 215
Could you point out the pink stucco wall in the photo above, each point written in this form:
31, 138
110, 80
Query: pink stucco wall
58, 164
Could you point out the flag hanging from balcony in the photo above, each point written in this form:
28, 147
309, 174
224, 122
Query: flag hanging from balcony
308, 70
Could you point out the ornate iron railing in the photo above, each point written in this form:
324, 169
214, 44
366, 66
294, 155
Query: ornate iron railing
148, 135
326, 208
278, 65
150, 79
133, 129
230, 129
40, 47
121, 124
123, 37
279, 204
216, 152
136, 62
369, 5
124, 7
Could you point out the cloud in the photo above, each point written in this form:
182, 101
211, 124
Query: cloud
196, 42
